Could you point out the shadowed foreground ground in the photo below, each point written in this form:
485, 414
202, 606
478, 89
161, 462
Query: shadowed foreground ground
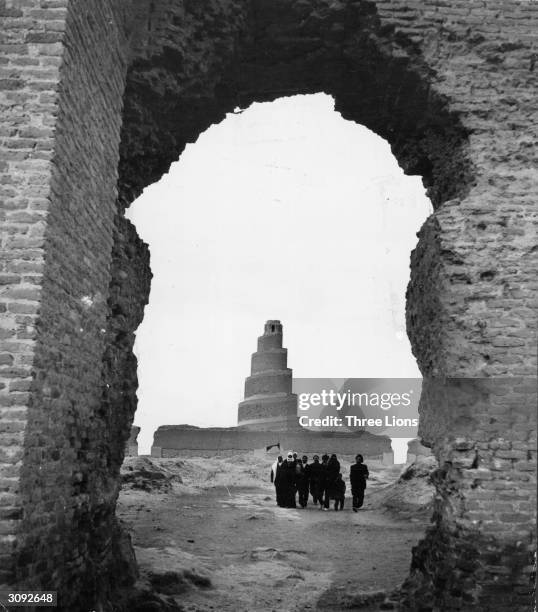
232, 549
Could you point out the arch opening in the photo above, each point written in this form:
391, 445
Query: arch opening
343, 220
378, 79
286, 209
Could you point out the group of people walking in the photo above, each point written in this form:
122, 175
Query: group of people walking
294, 477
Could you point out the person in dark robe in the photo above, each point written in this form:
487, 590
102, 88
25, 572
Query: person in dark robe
358, 475
323, 491
302, 480
315, 479
339, 493
335, 464
286, 481
297, 463
331, 474
274, 469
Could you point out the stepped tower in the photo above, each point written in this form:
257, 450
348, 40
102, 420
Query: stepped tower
269, 404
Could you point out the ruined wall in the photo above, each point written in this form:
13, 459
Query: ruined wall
179, 440
451, 86
29, 67
472, 313
131, 448
63, 78
416, 449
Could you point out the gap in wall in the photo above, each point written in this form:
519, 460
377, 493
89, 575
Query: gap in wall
282, 211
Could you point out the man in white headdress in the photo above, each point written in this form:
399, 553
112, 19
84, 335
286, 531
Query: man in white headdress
274, 469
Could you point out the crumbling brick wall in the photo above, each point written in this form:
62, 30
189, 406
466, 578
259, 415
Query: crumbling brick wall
451, 85
63, 72
30, 73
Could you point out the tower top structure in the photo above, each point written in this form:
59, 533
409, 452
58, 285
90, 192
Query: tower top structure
269, 403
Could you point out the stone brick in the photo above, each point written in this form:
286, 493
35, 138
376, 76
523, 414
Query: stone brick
450, 84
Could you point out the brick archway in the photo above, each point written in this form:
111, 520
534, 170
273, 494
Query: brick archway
105, 95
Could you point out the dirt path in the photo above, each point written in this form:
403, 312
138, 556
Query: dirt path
259, 557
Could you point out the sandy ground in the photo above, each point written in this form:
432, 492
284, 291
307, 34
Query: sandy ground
217, 541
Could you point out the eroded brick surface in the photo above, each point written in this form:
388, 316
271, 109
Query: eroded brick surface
99, 97
65, 65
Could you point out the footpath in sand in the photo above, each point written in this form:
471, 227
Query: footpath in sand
208, 534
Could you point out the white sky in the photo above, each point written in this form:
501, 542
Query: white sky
284, 211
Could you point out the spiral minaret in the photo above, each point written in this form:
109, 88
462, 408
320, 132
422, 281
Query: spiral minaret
269, 403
